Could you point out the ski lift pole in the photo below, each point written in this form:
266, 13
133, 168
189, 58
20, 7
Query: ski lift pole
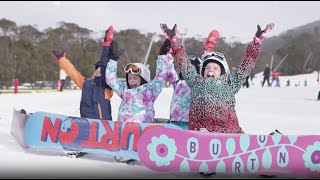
271, 62
306, 62
280, 62
148, 52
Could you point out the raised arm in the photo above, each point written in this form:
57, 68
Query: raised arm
111, 71
105, 55
238, 77
165, 55
165, 69
188, 71
68, 67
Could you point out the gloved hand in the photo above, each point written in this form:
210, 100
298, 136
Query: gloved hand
260, 34
108, 37
57, 54
171, 34
211, 41
115, 51
165, 48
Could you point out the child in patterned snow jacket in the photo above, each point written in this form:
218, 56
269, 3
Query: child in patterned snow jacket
213, 92
138, 93
180, 103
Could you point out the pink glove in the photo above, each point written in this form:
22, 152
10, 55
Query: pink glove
211, 41
108, 37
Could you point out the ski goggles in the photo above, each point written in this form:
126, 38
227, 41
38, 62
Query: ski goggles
132, 69
214, 54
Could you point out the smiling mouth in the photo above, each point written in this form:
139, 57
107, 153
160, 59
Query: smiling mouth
210, 74
134, 86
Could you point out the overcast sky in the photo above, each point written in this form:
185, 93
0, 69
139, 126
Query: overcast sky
238, 19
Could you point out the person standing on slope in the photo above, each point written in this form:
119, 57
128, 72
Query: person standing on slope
266, 75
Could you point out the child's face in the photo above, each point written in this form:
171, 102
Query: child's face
212, 70
134, 80
96, 73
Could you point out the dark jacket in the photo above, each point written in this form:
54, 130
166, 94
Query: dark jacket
96, 94
266, 72
93, 102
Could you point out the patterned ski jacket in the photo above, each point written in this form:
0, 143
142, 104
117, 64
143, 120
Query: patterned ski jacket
213, 100
180, 102
137, 103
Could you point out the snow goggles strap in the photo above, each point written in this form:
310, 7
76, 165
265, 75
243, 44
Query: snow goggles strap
215, 54
132, 68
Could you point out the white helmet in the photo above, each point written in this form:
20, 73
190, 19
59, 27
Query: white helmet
143, 70
217, 58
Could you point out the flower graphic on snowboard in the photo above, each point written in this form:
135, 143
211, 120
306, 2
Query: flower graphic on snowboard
312, 157
162, 150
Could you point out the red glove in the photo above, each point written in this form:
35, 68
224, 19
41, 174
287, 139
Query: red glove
211, 41
108, 37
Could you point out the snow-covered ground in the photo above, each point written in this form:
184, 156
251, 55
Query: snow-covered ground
260, 111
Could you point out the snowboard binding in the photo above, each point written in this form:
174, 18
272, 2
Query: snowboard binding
123, 160
206, 175
276, 132
75, 154
22, 111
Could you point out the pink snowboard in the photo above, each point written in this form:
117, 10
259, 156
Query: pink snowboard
176, 150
